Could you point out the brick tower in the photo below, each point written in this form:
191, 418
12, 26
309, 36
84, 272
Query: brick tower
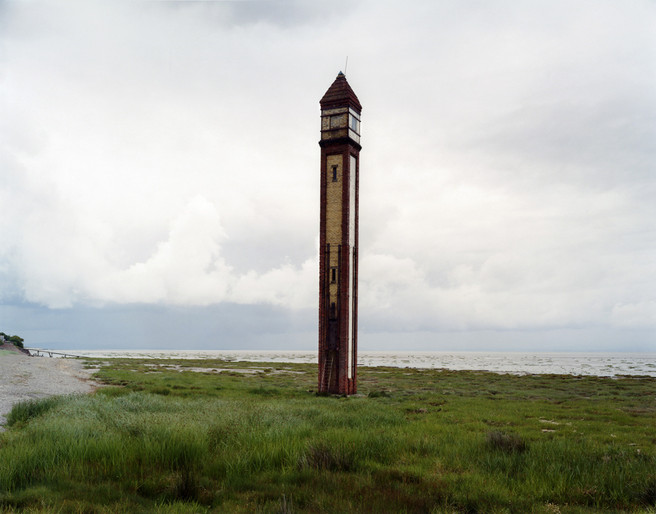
338, 259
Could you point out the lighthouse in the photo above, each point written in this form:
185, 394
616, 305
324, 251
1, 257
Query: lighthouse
338, 259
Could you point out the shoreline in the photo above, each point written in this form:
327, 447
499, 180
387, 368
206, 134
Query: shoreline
517, 363
23, 377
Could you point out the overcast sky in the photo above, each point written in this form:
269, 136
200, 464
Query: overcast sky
159, 172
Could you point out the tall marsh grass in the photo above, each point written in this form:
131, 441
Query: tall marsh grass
264, 443
23, 411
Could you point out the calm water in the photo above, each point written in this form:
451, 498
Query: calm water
600, 364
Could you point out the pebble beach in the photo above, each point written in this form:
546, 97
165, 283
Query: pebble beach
23, 377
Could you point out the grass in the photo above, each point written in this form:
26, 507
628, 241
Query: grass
161, 437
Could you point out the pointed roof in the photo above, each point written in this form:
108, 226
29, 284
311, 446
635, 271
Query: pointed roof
340, 94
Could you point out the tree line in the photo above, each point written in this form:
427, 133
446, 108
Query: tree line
16, 340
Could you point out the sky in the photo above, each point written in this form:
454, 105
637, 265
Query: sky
159, 172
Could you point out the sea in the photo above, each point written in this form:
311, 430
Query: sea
517, 363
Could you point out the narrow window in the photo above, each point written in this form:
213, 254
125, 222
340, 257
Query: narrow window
354, 123
333, 275
334, 173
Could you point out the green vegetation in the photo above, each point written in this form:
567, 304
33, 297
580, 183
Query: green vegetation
15, 340
205, 436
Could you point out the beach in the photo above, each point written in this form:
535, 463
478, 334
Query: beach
23, 378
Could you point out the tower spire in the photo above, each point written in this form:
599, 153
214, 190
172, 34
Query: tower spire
340, 94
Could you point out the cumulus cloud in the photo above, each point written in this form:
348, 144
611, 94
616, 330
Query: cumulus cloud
186, 268
189, 269
62, 262
159, 152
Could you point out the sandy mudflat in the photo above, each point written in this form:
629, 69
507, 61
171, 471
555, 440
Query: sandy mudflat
23, 378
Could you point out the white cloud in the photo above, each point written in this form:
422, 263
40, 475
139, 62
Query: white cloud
164, 153
187, 268
65, 261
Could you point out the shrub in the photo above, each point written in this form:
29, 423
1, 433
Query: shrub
378, 394
324, 457
18, 341
15, 340
508, 443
